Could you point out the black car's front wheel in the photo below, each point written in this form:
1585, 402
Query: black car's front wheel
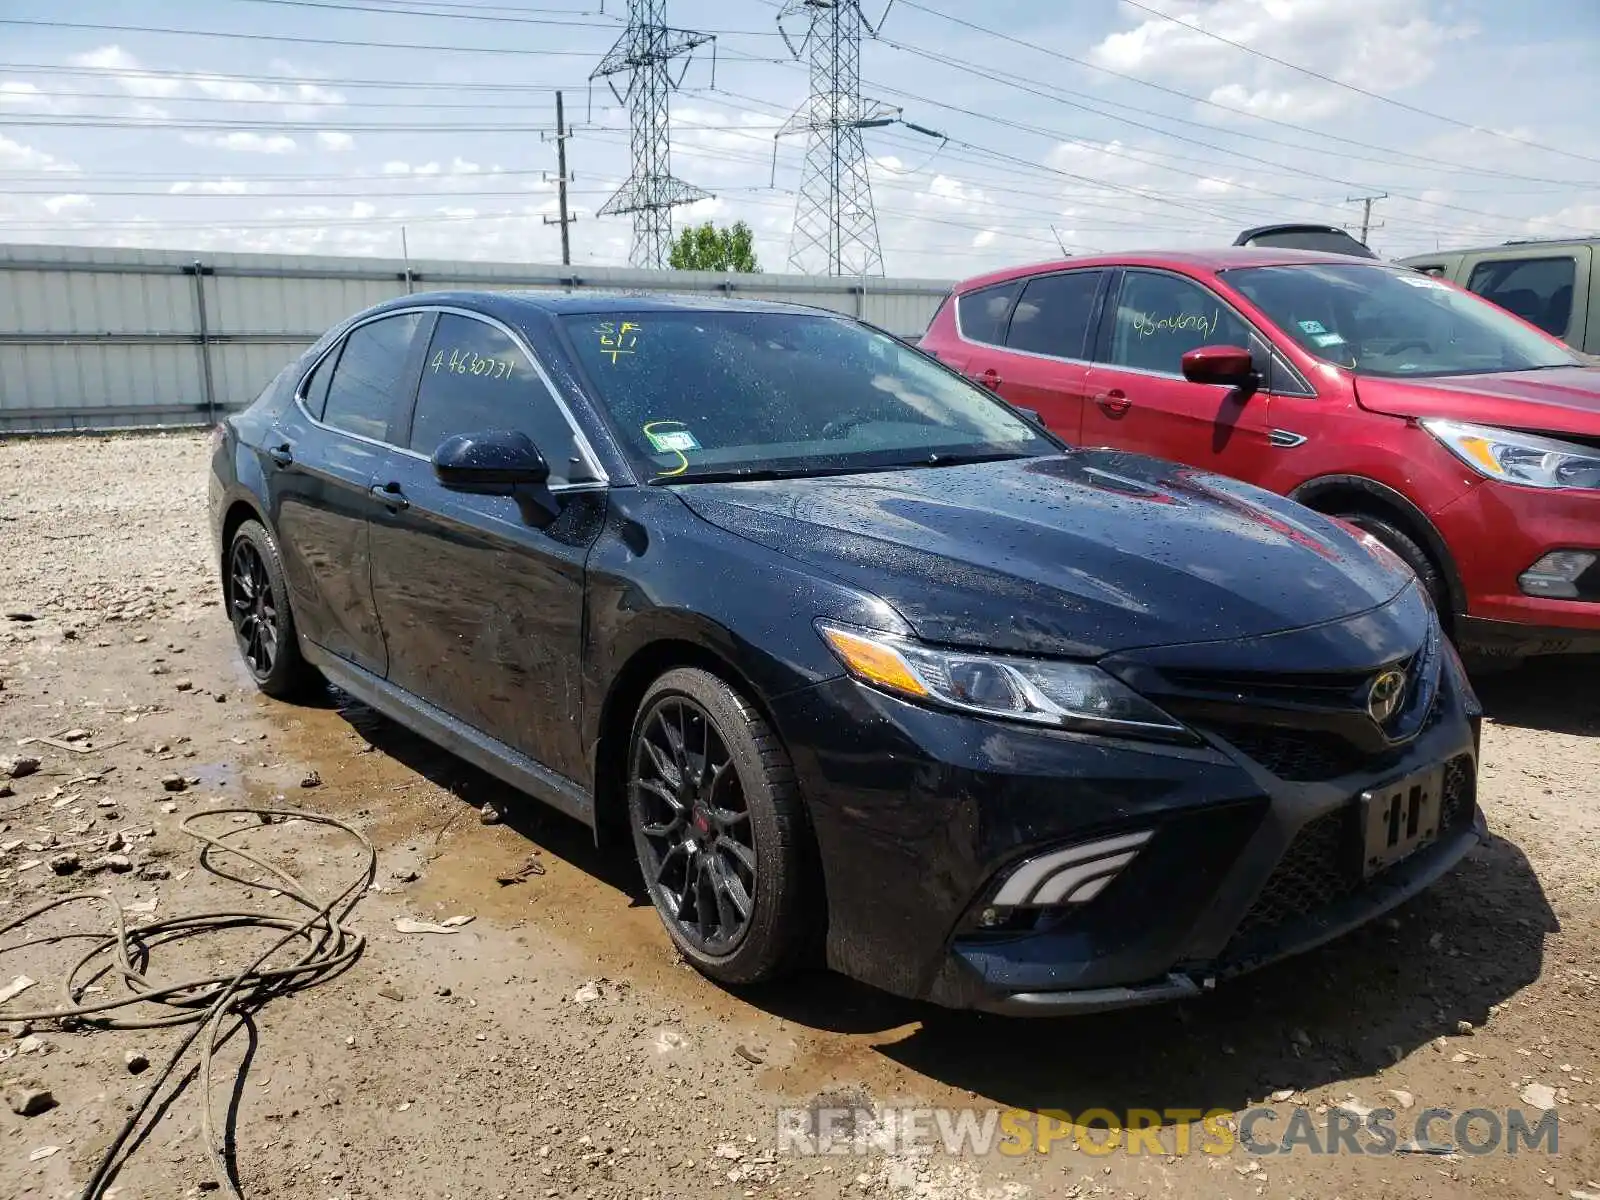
719, 828
258, 607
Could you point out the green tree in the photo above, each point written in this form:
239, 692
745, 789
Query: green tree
707, 248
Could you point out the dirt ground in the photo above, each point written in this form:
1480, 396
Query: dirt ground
554, 1046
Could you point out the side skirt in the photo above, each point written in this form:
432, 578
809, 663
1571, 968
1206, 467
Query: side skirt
478, 748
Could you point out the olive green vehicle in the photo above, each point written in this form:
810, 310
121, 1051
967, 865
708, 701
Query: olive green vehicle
1552, 284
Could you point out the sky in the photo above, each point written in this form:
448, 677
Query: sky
329, 126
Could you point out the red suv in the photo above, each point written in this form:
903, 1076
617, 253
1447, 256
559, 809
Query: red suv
1462, 437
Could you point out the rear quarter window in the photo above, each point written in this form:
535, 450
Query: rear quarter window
983, 314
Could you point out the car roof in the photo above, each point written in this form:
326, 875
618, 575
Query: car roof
1513, 244
512, 305
1202, 262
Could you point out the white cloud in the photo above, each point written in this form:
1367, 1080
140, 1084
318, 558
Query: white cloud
211, 187
300, 100
125, 69
396, 167
333, 139
1379, 45
245, 141
61, 204
15, 156
16, 94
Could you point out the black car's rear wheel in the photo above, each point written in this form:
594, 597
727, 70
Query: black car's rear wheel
718, 827
258, 607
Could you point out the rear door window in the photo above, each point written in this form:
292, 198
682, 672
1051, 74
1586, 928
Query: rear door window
1160, 318
371, 376
1053, 315
982, 314
1539, 290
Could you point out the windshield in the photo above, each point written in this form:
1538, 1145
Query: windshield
1394, 322
698, 394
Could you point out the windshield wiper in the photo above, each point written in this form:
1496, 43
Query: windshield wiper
960, 460
748, 474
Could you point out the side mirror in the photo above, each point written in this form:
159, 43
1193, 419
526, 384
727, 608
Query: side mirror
1028, 415
495, 462
1231, 366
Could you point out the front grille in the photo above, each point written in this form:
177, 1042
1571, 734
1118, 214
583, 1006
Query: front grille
1323, 863
1299, 755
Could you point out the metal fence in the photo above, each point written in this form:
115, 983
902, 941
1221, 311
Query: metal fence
100, 338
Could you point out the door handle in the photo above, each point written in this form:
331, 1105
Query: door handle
1113, 403
990, 379
282, 454
391, 495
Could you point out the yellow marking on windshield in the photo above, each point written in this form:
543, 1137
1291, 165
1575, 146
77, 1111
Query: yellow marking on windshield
617, 340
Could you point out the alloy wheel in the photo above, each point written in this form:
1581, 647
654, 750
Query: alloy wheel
691, 813
253, 609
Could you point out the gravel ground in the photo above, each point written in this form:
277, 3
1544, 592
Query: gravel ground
554, 1046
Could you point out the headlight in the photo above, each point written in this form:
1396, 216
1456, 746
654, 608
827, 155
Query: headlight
1522, 458
1063, 695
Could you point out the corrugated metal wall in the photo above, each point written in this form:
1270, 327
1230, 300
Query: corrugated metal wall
99, 338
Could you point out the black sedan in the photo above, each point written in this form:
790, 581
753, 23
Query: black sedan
867, 667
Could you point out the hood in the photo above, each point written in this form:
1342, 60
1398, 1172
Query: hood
1079, 555
1560, 400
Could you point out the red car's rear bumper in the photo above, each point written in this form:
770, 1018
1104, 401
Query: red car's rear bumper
1496, 532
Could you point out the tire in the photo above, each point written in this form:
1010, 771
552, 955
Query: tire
257, 599
739, 787
1414, 556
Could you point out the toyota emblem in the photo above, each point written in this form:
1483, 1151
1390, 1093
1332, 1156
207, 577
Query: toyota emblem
1383, 700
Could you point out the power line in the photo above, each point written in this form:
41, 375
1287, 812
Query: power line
311, 41
475, 14
1045, 92
1191, 97
1360, 91
454, 85
111, 121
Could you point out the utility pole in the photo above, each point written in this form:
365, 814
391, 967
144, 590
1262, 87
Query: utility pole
561, 183
1366, 203
644, 53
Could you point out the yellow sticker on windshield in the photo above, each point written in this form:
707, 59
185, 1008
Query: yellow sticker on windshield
618, 339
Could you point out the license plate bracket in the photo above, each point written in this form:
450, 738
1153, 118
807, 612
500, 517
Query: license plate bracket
1400, 818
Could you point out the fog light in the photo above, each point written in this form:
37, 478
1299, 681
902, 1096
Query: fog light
1556, 574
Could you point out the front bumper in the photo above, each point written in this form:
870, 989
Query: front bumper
1496, 531
921, 815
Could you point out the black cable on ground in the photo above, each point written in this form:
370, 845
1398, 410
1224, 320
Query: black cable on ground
325, 948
